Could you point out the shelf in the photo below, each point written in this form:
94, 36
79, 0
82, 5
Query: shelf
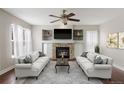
62, 41
78, 34
46, 34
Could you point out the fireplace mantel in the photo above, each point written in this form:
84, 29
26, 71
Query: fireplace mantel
60, 41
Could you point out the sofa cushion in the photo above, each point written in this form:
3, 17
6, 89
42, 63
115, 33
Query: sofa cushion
28, 60
91, 56
37, 65
44, 59
84, 54
105, 60
40, 63
41, 54
34, 56
21, 59
87, 66
98, 60
81, 59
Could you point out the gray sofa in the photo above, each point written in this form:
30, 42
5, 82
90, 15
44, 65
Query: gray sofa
95, 70
31, 69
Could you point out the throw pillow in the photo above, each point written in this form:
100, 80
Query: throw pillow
21, 59
105, 61
27, 60
98, 60
84, 54
34, 56
41, 54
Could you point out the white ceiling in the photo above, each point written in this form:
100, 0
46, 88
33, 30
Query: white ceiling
87, 16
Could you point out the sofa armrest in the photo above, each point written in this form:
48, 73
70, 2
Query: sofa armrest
110, 61
23, 65
102, 66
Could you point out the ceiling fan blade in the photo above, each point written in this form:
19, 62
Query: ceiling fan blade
54, 16
77, 20
55, 21
70, 15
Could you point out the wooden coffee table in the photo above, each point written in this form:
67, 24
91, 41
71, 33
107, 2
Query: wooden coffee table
62, 62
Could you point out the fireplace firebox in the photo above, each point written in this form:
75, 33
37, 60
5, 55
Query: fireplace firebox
62, 52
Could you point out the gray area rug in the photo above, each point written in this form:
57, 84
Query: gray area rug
49, 76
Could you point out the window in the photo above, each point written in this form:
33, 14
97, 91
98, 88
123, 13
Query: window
45, 47
12, 28
20, 41
91, 40
27, 44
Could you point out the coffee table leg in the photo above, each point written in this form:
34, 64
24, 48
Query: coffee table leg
68, 68
56, 69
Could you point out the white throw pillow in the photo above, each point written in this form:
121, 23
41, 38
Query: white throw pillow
105, 60
91, 56
34, 56
21, 59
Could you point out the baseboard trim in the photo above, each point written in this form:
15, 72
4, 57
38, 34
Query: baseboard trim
119, 67
7, 69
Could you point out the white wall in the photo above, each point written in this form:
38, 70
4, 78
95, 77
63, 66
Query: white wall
79, 46
5, 50
37, 37
115, 25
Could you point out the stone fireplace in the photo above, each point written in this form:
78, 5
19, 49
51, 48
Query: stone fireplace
62, 52
63, 49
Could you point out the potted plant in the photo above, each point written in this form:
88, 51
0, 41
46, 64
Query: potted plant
97, 49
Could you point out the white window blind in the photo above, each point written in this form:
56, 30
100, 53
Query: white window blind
91, 40
13, 41
22, 41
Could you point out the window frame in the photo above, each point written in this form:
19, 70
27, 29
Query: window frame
12, 28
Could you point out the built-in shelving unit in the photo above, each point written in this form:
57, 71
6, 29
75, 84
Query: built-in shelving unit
78, 34
47, 35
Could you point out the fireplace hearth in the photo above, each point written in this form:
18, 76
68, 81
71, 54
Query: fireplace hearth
62, 52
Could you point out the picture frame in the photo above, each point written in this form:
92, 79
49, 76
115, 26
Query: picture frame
46, 34
112, 40
121, 40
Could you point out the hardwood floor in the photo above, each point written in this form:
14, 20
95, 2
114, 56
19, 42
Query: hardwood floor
8, 78
117, 77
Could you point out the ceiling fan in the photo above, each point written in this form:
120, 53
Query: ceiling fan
64, 17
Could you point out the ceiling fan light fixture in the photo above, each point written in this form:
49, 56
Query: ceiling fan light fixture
64, 21
64, 17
